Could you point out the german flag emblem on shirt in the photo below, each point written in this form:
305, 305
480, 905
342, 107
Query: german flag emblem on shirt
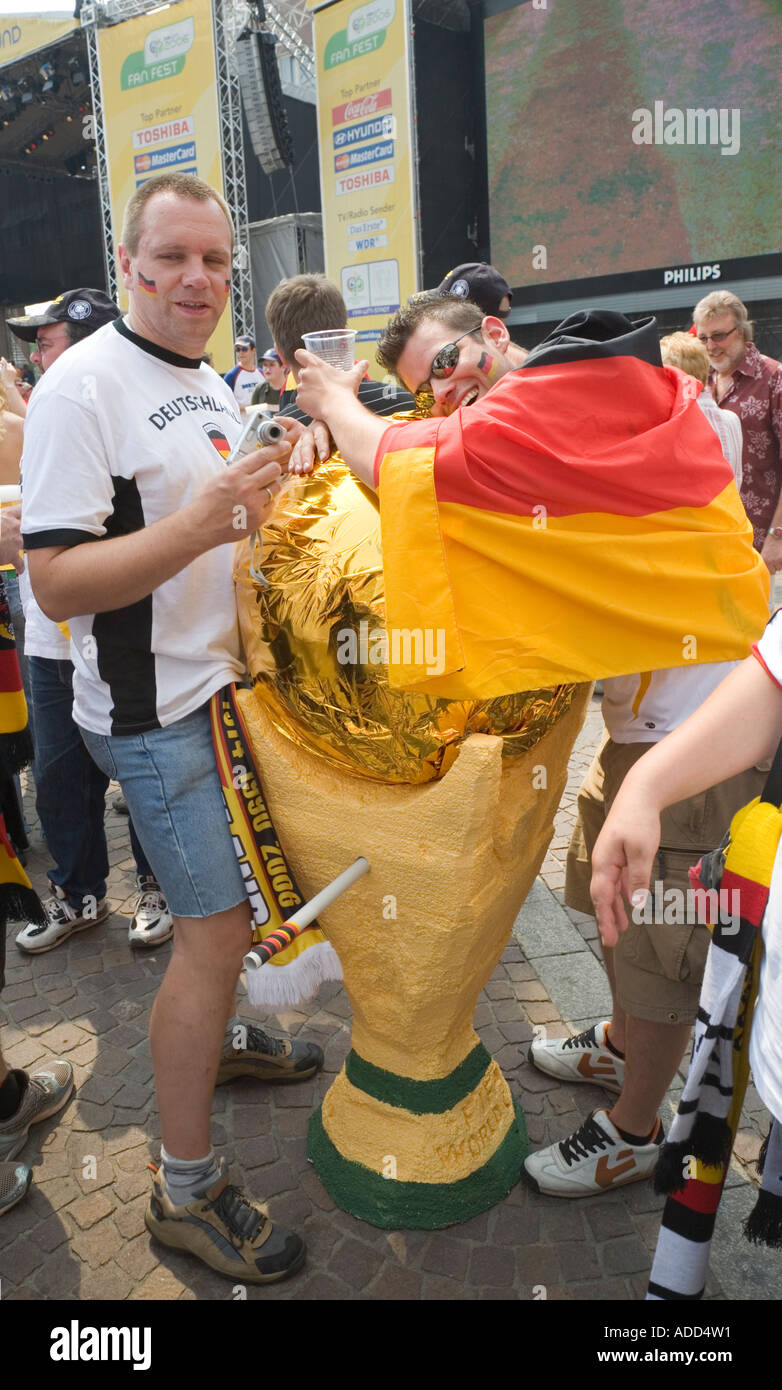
578, 521
218, 439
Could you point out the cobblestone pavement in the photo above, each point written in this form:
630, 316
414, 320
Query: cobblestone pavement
80, 1232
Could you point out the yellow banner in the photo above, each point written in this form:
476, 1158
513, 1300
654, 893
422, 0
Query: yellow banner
21, 34
159, 86
366, 174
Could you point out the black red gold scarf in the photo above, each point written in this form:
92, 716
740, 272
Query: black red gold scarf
18, 901
694, 1163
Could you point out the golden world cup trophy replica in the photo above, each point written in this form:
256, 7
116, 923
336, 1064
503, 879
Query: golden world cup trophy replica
450, 803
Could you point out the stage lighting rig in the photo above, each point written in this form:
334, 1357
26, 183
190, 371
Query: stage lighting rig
76, 71
26, 91
9, 104
49, 79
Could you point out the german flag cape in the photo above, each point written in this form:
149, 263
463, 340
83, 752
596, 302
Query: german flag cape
578, 521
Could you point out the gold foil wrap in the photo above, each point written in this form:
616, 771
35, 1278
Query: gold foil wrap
322, 560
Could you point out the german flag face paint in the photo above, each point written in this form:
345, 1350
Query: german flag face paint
218, 439
148, 286
227, 288
487, 365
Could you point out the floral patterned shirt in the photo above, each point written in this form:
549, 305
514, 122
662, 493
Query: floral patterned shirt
755, 395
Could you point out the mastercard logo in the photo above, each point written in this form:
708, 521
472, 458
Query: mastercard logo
143, 162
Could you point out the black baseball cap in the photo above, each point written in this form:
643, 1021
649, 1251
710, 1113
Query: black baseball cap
479, 282
90, 307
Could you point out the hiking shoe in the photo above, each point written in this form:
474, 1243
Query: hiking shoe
583, 1058
61, 921
226, 1230
45, 1091
592, 1160
152, 921
15, 1178
267, 1058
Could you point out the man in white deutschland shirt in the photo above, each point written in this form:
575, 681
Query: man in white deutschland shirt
129, 520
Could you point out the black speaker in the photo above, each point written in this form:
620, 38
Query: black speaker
264, 108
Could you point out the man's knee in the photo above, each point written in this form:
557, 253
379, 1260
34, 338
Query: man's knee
218, 943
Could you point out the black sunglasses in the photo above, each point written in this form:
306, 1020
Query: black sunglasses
444, 364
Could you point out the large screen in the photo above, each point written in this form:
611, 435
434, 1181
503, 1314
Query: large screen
630, 134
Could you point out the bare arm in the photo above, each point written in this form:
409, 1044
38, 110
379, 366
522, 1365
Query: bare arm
11, 537
10, 448
88, 578
737, 727
330, 395
15, 402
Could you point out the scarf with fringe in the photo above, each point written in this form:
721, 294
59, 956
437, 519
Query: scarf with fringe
296, 973
694, 1163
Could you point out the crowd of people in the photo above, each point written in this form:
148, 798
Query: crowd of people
120, 655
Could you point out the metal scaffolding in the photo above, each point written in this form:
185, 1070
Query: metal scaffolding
234, 180
229, 17
89, 23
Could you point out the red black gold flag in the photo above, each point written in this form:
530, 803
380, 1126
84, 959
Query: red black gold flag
577, 521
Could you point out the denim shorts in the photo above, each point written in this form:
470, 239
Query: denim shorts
169, 779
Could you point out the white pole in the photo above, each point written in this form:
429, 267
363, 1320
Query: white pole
322, 900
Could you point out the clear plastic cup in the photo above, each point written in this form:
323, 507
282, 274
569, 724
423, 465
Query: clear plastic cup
336, 346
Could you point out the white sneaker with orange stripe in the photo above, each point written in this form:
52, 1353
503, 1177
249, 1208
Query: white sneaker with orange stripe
583, 1058
592, 1160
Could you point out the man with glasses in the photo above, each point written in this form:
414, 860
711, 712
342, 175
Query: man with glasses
743, 380
444, 351
528, 518
246, 375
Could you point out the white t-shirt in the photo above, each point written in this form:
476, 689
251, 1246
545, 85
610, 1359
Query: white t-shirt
765, 1042
243, 382
42, 637
644, 708
119, 434
729, 432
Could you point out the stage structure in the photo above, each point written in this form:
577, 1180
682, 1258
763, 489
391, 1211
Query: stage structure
153, 111
138, 66
366, 140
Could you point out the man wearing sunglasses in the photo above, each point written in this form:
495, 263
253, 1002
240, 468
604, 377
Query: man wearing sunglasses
245, 377
444, 351
550, 519
743, 380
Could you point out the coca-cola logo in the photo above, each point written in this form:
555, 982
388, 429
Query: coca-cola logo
355, 109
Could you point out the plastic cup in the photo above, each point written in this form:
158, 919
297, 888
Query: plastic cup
334, 345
